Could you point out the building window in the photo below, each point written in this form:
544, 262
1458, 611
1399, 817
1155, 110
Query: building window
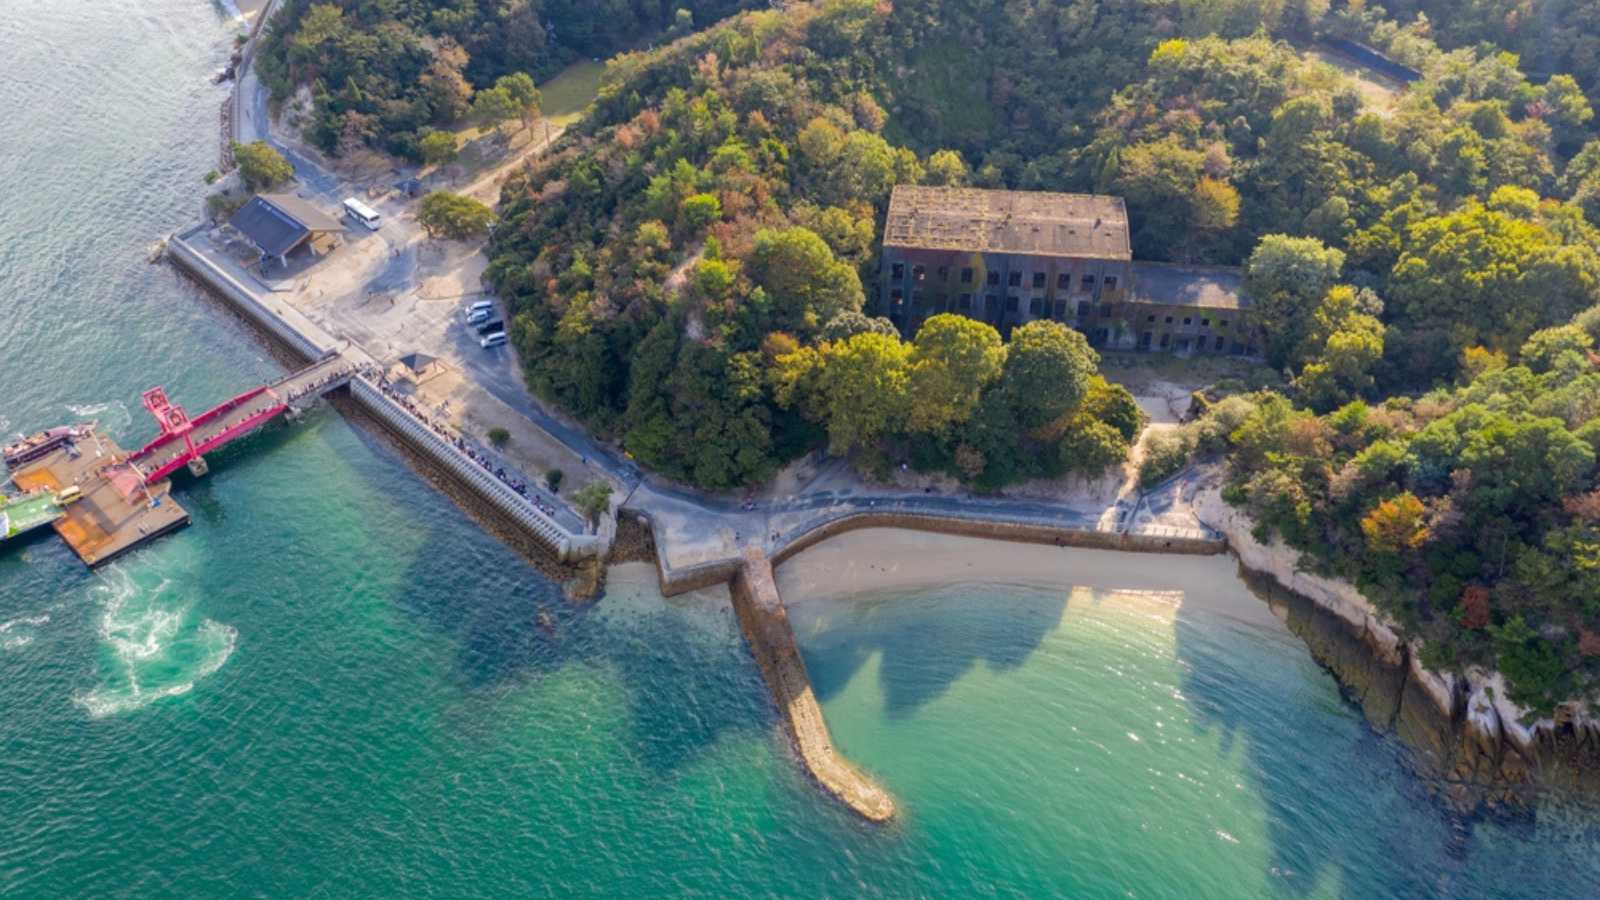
966, 301
1084, 307
1166, 341
918, 272
897, 297
1086, 284
1014, 279
993, 279
966, 275
1205, 323
1064, 280
991, 301
898, 271
1188, 321
1105, 310
1150, 318
916, 301
944, 273
1038, 281
1144, 341
1011, 303
1111, 283
1035, 306
1223, 323
1169, 320
1061, 309
1219, 343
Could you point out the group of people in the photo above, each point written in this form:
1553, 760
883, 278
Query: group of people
316, 387
451, 436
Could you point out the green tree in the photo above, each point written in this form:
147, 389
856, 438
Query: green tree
438, 147
1287, 277
593, 499
1481, 276
454, 216
1046, 372
806, 284
495, 106
525, 98
260, 166
862, 389
946, 168
953, 358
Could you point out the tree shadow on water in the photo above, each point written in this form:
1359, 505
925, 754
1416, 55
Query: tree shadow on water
929, 641
1340, 808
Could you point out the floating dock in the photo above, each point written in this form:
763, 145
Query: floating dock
117, 510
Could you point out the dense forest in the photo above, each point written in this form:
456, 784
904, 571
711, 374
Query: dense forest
383, 72
687, 267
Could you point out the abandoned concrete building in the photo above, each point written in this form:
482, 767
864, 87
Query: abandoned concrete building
1009, 257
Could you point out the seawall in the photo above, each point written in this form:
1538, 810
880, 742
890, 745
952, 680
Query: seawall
1466, 740
680, 579
306, 340
765, 624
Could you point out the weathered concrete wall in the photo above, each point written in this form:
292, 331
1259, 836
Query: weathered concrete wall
765, 623
1033, 533
566, 546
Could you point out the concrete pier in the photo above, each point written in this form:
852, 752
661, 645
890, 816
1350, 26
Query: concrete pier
766, 627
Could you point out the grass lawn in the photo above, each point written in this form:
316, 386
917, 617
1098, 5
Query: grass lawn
571, 91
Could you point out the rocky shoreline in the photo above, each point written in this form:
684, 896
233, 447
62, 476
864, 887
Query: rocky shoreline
1472, 747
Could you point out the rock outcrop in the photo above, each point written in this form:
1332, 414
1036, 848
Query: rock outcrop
1473, 747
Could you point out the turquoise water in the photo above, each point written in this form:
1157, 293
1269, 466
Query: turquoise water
333, 683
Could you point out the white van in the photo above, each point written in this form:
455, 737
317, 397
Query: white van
362, 213
479, 315
481, 304
493, 339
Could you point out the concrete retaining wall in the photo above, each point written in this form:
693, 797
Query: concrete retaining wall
1033, 533
500, 495
242, 298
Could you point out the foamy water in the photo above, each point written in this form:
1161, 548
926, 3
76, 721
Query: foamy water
154, 645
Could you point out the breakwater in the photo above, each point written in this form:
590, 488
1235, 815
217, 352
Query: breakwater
765, 624
306, 340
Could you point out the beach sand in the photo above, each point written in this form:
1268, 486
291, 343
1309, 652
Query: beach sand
876, 561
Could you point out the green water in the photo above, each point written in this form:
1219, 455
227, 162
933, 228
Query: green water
333, 683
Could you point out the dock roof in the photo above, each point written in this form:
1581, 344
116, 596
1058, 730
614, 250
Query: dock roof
1039, 223
1202, 287
277, 223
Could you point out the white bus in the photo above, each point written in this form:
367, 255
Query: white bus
362, 213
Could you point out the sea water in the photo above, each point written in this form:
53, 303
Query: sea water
334, 683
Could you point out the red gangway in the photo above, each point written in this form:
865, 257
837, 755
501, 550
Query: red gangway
184, 440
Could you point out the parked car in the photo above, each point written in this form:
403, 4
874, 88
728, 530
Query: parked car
492, 325
478, 316
481, 304
492, 340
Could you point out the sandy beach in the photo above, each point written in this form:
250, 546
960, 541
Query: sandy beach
887, 560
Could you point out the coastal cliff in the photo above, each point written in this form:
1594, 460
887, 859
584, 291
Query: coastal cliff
1474, 747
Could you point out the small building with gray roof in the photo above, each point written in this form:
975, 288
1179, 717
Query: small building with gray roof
278, 224
1009, 257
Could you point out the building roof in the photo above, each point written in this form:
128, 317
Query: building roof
1039, 223
277, 223
1202, 287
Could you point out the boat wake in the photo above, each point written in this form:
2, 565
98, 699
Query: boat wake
15, 634
154, 647
114, 416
